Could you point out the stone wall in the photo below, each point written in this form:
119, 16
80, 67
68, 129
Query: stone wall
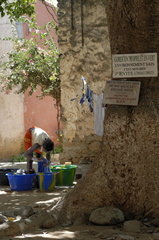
85, 51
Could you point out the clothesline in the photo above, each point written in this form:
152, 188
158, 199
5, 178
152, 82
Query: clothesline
95, 104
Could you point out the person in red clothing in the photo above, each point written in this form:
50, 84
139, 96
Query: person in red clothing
38, 141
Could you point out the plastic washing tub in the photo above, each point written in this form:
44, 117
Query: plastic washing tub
21, 182
66, 174
47, 181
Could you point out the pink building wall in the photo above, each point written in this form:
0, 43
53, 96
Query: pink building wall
40, 113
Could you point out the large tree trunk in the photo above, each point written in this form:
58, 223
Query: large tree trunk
126, 174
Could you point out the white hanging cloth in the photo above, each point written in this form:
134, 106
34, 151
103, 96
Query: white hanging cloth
99, 113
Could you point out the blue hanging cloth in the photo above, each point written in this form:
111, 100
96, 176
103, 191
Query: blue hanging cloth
87, 95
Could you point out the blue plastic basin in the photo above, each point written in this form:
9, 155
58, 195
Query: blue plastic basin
21, 182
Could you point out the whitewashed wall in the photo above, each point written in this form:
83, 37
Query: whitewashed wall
11, 107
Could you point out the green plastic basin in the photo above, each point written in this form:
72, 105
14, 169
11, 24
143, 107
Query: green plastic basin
66, 174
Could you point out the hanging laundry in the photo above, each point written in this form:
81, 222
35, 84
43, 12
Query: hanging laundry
87, 95
84, 85
82, 100
99, 113
89, 99
84, 90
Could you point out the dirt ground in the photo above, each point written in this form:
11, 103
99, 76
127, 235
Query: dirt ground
15, 199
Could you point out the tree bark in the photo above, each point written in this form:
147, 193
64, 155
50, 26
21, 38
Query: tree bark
126, 173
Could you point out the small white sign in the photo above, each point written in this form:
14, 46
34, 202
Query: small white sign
135, 65
121, 93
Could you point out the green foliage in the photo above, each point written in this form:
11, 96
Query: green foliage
32, 62
59, 147
17, 8
19, 158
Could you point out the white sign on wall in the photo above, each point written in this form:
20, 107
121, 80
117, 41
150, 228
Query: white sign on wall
135, 65
121, 92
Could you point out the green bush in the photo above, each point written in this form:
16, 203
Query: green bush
58, 149
19, 158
